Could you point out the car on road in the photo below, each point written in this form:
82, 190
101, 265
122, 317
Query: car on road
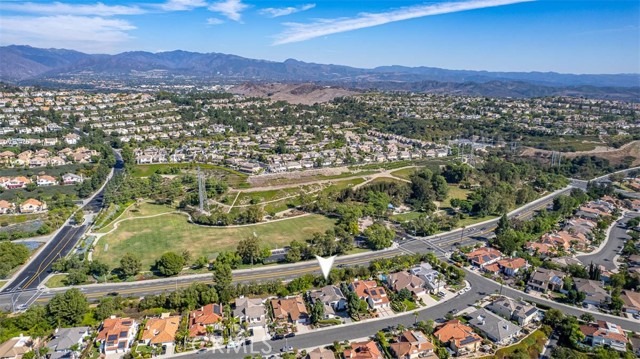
286, 349
232, 345
290, 335
277, 337
453, 311
22, 307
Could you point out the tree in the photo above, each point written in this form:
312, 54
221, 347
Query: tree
503, 224
76, 276
78, 217
222, 277
440, 187
379, 236
587, 318
170, 264
201, 262
68, 308
293, 254
249, 250
98, 268
317, 312
107, 307
553, 317
130, 264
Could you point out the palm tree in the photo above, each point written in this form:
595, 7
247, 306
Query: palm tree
439, 277
210, 330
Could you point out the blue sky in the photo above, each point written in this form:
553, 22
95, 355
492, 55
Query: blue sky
497, 35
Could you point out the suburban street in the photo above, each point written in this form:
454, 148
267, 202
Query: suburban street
60, 245
613, 245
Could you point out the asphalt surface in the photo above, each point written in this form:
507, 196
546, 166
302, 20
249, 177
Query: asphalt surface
57, 247
613, 245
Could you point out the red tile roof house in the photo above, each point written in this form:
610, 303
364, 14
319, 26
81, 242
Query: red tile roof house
460, 337
18, 182
540, 248
605, 333
160, 331
7, 207
116, 335
368, 290
412, 345
32, 205
211, 315
363, 350
483, 256
511, 266
291, 310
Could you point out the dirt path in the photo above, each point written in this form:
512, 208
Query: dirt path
385, 173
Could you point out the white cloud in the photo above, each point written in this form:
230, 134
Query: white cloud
230, 8
214, 21
55, 8
300, 32
277, 12
181, 5
83, 33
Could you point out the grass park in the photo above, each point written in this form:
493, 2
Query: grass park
151, 237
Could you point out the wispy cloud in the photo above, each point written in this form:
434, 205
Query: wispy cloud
284, 11
182, 5
230, 8
214, 21
84, 33
59, 8
300, 32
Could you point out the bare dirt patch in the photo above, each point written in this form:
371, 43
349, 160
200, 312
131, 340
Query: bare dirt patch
306, 94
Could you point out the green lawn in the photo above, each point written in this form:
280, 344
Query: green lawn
136, 210
2, 282
405, 217
473, 220
151, 237
56, 281
454, 192
404, 173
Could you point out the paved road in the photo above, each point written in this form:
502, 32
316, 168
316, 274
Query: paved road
613, 245
59, 246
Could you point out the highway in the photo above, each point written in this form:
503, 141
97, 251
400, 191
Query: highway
60, 245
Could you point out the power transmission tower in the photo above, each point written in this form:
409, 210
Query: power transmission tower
202, 192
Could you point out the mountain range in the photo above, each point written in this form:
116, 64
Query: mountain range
29, 64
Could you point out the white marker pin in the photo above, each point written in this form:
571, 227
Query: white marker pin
325, 265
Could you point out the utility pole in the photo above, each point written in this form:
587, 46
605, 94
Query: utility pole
202, 192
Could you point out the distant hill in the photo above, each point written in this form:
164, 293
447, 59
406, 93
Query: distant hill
25, 63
